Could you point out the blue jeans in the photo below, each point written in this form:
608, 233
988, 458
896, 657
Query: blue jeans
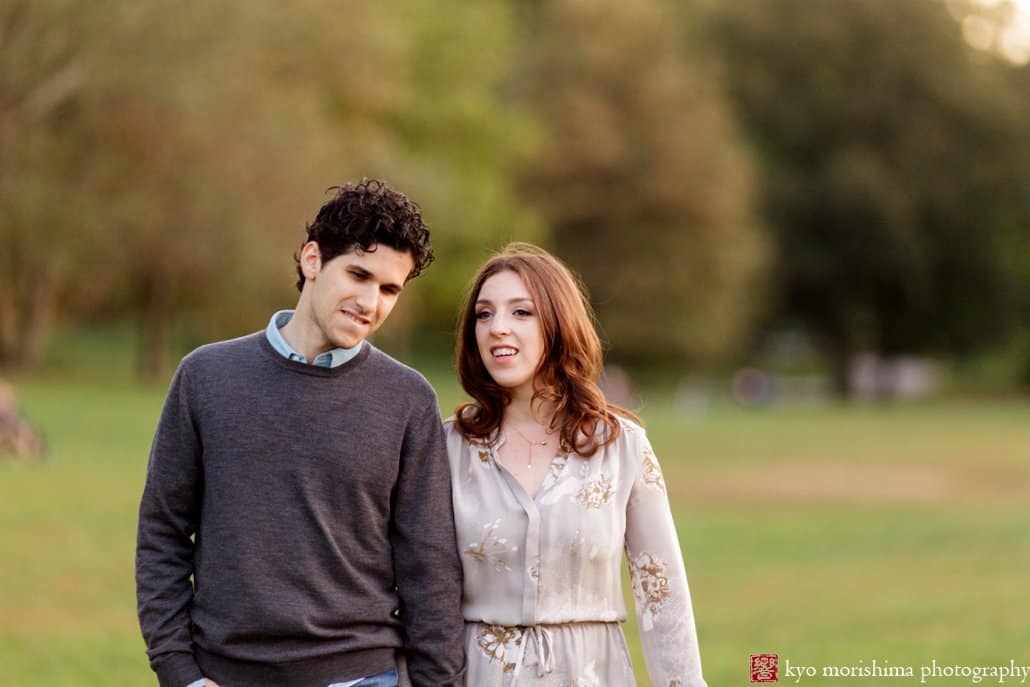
387, 679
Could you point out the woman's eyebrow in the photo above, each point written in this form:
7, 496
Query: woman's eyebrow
520, 299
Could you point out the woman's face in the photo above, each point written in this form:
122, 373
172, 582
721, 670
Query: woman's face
508, 333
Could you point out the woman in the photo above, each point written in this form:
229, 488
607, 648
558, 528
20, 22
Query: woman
550, 485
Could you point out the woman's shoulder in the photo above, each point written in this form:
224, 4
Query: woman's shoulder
450, 427
631, 433
630, 426
631, 446
453, 432
625, 435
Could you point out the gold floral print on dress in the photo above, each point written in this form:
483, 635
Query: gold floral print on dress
650, 586
652, 471
597, 492
501, 644
491, 548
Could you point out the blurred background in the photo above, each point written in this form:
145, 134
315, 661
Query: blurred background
805, 227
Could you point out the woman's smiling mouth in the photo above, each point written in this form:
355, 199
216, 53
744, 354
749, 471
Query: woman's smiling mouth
503, 352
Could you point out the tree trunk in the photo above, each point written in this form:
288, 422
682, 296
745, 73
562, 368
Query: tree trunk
7, 331
26, 321
37, 320
153, 330
839, 355
1025, 377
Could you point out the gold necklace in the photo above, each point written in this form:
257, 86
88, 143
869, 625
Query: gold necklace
531, 443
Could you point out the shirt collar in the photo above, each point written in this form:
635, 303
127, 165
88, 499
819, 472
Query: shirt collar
331, 358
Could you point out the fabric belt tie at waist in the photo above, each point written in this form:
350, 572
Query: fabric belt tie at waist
540, 636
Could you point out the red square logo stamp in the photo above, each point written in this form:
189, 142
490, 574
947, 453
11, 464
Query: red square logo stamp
765, 667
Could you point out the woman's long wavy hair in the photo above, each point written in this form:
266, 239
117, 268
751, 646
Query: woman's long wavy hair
568, 373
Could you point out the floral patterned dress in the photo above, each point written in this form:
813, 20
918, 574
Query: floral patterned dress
543, 598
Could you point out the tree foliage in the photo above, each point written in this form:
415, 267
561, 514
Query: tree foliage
643, 180
173, 153
892, 174
456, 136
125, 167
159, 161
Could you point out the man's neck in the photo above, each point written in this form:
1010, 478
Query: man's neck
304, 336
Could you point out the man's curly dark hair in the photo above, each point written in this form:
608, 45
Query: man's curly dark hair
364, 216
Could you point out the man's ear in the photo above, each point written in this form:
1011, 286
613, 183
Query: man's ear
310, 260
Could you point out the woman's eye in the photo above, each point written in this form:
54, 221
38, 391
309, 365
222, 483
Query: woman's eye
482, 314
523, 313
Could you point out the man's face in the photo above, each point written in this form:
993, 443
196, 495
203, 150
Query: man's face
354, 293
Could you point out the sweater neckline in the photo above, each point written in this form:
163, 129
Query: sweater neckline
309, 369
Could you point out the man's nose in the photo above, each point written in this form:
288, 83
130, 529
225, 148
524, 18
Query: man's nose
366, 298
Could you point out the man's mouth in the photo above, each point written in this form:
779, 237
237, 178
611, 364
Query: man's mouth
364, 322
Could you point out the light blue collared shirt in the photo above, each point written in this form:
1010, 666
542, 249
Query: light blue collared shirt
331, 358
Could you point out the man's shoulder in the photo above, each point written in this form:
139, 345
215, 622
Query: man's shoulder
222, 352
394, 374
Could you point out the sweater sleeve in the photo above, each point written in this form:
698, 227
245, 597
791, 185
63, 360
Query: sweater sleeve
664, 611
425, 552
168, 516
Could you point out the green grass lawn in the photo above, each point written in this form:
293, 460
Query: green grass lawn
829, 536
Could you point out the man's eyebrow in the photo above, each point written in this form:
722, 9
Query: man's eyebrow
360, 271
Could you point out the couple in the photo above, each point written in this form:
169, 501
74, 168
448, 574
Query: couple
308, 521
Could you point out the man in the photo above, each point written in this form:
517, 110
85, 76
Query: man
299, 476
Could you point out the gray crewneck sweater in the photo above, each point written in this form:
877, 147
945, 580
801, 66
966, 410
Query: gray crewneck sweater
309, 504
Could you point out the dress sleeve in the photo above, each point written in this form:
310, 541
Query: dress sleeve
665, 614
168, 516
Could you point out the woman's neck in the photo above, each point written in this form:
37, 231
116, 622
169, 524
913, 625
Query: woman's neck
524, 411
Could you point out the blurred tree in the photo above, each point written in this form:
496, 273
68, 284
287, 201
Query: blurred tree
893, 177
112, 176
245, 92
171, 154
457, 134
417, 96
642, 179
1018, 252
43, 70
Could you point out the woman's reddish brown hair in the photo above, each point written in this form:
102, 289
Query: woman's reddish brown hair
568, 374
